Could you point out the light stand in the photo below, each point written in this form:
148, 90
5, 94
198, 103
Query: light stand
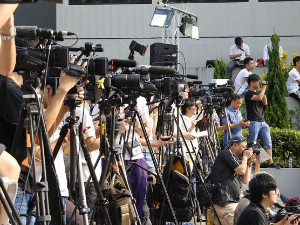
165, 21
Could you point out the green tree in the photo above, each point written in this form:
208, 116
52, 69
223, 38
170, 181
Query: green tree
276, 113
220, 70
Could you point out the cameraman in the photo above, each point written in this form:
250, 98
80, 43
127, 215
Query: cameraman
235, 119
263, 194
256, 99
228, 173
11, 98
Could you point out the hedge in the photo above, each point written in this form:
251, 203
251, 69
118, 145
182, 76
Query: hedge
286, 143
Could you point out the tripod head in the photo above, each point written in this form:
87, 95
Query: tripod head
72, 99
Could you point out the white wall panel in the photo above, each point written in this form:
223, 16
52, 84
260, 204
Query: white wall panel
114, 26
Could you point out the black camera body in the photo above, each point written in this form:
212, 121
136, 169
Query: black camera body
35, 59
256, 147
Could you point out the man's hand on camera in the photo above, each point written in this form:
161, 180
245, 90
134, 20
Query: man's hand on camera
253, 158
248, 153
68, 81
80, 90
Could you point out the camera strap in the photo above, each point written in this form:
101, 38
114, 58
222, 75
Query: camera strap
3, 94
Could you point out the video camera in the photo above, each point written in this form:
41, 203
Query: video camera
36, 59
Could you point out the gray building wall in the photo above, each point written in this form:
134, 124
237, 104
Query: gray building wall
115, 26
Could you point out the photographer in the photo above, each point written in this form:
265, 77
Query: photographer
263, 194
235, 119
256, 99
228, 172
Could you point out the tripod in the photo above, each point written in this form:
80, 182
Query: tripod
113, 153
76, 137
36, 127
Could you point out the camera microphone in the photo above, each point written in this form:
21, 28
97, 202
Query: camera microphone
224, 89
32, 32
197, 82
160, 70
63, 33
122, 63
191, 76
26, 32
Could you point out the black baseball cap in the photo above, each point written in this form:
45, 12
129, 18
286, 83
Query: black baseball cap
237, 139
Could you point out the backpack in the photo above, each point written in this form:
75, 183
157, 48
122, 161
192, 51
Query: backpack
179, 190
292, 202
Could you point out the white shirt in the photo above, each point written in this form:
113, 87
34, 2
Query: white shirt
184, 126
240, 84
292, 84
144, 112
234, 51
266, 52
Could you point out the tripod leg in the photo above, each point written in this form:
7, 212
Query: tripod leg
102, 200
8, 205
157, 169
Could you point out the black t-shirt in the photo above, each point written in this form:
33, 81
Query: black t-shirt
254, 214
14, 100
228, 181
255, 109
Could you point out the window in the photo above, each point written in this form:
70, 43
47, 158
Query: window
106, 2
204, 1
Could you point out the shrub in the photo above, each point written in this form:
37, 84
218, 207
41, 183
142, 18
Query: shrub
220, 70
276, 113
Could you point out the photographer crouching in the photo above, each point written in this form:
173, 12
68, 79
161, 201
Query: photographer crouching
232, 167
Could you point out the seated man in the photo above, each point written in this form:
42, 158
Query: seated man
238, 51
228, 172
241, 80
266, 56
293, 81
263, 194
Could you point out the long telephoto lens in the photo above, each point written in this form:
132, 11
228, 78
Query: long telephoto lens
126, 80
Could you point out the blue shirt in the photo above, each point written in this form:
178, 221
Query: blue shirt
233, 117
